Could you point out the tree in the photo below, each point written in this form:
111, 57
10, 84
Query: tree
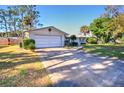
30, 20
100, 28
13, 17
116, 25
16, 19
3, 20
84, 29
22, 10
112, 11
73, 37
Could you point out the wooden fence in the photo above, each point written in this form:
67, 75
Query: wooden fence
9, 41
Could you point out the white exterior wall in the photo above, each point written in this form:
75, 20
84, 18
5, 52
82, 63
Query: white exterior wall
63, 40
46, 32
87, 34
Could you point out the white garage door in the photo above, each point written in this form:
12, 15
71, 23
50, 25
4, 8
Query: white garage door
47, 41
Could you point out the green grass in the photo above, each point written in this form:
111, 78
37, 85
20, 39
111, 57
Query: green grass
109, 50
21, 68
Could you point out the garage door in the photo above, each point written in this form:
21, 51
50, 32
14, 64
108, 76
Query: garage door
47, 41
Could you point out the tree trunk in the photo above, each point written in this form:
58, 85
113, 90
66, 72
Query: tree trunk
6, 28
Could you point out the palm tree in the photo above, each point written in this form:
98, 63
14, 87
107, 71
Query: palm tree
84, 29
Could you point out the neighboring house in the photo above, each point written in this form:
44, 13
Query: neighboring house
81, 37
47, 37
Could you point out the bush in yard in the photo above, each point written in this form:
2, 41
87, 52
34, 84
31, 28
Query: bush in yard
67, 42
74, 44
28, 43
31, 46
122, 40
73, 37
91, 40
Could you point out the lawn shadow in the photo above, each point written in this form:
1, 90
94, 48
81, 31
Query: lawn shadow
27, 75
10, 60
2, 46
107, 50
27, 78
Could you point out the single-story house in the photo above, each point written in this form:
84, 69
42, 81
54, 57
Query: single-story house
81, 37
47, 37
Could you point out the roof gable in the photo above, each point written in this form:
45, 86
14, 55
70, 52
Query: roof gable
52, 27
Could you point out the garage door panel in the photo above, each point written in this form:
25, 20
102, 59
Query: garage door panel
48, 41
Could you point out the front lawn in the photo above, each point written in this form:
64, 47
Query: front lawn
110, 50
19, 67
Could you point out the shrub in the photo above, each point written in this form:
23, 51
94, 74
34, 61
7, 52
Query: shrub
73, 44
122, 40
91, 40
73, 37
67, 42
27, 43
31, 46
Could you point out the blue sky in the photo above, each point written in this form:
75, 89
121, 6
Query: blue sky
68, 18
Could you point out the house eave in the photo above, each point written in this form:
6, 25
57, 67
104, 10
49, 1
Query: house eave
46, 28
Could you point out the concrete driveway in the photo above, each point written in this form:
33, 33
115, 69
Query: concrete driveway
74, 68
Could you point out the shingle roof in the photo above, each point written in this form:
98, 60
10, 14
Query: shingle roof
46, 28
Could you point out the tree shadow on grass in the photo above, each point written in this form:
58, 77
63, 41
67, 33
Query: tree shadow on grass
27, 78
2, 46
107, 50
9, 60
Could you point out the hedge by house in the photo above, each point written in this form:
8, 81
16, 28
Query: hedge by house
28, 44
91, 40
